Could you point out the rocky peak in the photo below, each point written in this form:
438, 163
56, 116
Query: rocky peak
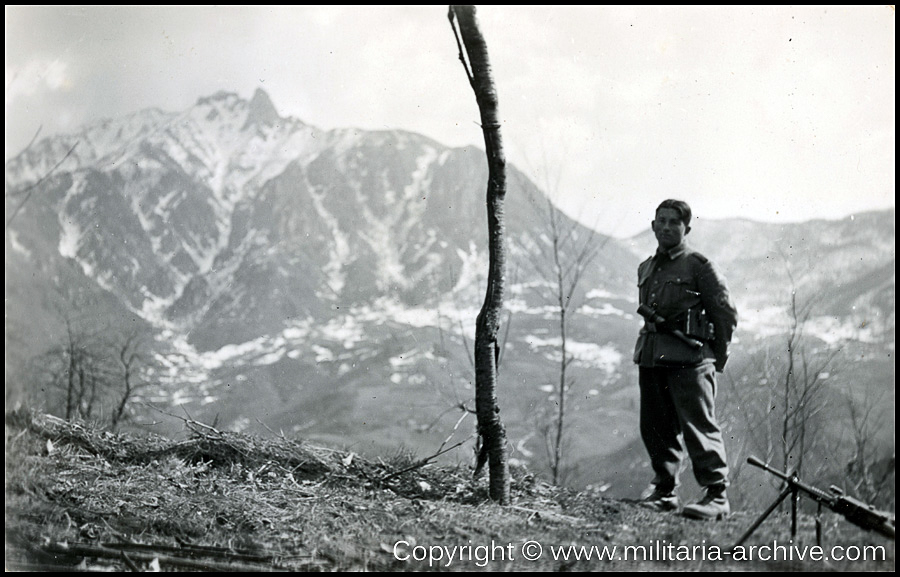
261, 111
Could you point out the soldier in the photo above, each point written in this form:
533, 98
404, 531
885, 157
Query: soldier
689, 319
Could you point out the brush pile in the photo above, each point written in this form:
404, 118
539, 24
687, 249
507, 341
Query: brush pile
88, 498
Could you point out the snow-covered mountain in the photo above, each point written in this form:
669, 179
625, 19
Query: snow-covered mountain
243, 239
327, 282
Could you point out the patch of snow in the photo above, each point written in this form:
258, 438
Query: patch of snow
606, 358
271, 358
339, 251
387, 309
322, 354
764, 322
297, 331
16, 246
69, 238
599, 294
406, 359
216, 359
515, 305
420, 180
532, 287
179, 398
832, 330
153, 308
344, 140
606, 310
474, 268
345, 330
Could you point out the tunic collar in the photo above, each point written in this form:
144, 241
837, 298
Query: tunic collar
674, 252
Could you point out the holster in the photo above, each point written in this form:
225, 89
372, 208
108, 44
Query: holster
696, 324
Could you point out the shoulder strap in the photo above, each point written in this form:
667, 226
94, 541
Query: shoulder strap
644, 270
699, 257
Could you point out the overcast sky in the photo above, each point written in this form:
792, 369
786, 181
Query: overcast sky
769, 113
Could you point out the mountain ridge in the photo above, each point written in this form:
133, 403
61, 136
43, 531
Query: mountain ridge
328, 281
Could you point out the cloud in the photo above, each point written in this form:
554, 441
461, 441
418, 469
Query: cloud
37, 75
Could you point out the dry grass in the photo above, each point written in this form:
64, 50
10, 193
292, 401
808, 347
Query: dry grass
83, 498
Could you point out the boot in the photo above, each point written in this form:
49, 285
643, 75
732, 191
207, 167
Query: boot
713, 506
660, 500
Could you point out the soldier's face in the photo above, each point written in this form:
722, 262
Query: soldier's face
669, 228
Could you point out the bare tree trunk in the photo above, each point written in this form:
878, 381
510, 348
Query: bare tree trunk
70, 374
92, 390
563, 304
803, 394
127, 358
788, 384
82, 387
487, 349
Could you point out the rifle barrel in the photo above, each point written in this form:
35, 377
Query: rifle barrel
794, 481
757, 463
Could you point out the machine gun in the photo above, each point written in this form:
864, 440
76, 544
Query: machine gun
860, 514
651, 316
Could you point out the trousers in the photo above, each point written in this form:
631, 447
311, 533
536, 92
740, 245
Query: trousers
677, 412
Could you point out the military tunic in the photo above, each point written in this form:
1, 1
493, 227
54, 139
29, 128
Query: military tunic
678, 381
673, 282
